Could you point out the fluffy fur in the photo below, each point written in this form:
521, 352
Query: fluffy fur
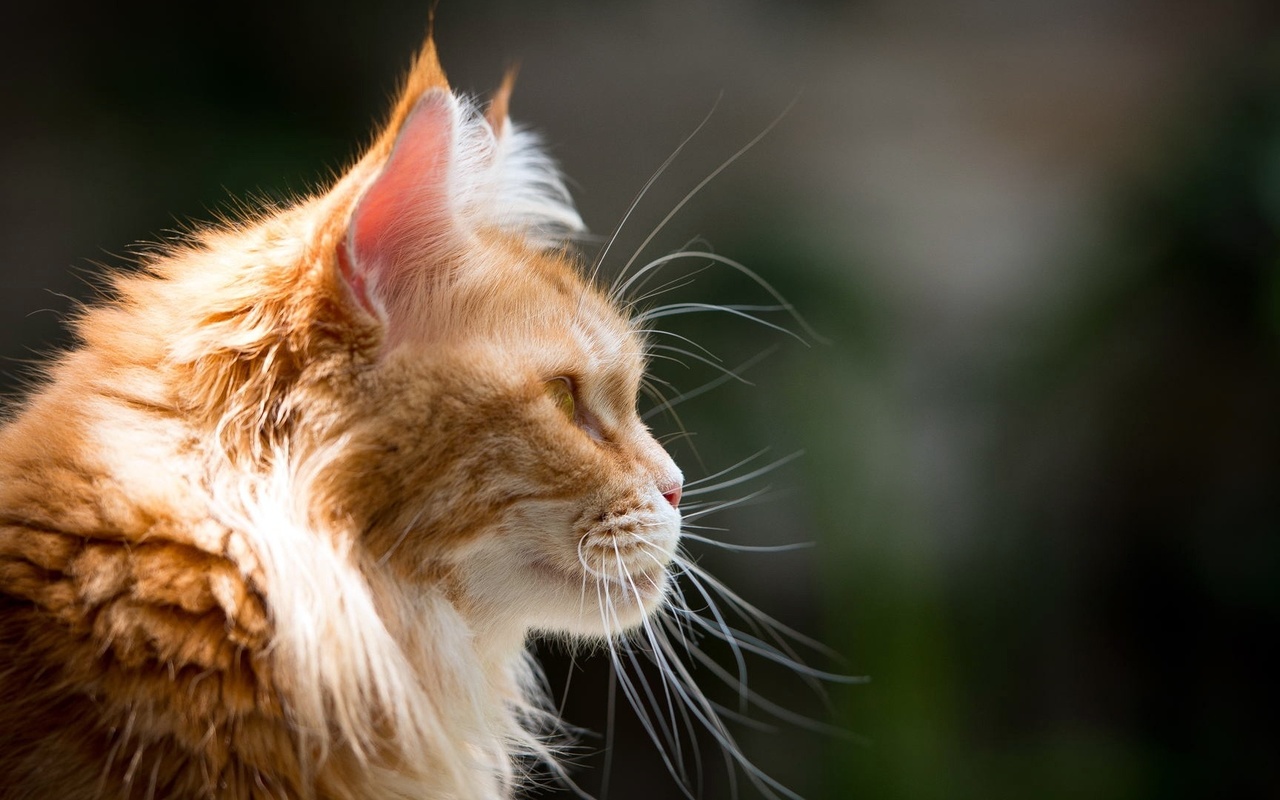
281, 524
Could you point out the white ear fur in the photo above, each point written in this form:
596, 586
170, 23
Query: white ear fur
523, 190
447, 177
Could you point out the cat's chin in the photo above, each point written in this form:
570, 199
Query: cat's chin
536, 593
592, 604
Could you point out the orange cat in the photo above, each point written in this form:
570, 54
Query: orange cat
281, 525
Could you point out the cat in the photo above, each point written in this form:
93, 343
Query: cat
282, 523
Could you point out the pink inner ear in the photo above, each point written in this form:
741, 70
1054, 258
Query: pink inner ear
404, 215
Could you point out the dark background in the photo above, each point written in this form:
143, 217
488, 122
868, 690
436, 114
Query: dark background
1042, 450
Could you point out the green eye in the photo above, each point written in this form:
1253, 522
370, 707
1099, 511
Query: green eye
561, 393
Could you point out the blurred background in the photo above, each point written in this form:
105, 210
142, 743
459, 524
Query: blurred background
1041, 448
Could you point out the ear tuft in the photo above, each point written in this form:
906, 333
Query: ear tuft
440, 174
424, 76
500, 103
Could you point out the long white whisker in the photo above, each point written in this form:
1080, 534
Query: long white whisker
730, 373
750, 612
668, 358
783, 304
749, 548
744, 478
628, 689
649, 383
727, 636
595, 270
693, 192
761, 702
644, 623
696, 703
720, 506
662, 656
670, 405
568, 679
648, 269
675, 589
677, 309
706, 713
673, 334
687, 279
771, 627
728, 469
746, 642
714, 528
651, 724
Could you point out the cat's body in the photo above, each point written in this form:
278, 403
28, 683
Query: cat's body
281, 525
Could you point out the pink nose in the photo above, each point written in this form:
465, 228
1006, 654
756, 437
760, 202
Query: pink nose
673, 496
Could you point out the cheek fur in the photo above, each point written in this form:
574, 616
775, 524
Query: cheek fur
448, 457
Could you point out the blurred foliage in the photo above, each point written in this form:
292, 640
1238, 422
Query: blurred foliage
1102, 632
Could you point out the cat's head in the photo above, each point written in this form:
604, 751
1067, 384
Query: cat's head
492, 442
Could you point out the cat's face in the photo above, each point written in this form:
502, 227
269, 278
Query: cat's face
506, 452
500, 452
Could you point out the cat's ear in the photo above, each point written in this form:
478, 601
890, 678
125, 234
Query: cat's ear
441, 173
404, 222
500, 103
404, 208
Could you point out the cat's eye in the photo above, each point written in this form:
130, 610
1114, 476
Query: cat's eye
560, 390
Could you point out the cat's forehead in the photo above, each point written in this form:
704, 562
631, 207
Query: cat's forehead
542, 301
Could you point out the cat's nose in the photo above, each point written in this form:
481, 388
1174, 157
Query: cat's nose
672, 496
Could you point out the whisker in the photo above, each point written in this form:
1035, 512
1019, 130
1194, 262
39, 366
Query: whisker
668, 358
674, 436
749, 548
649, 384
652, 266
740, 310
719, 618
755, 277
696, 357
763, 703
568, 679
676, 770
693, 192
721, 506
714, 528
595, 268
644, 623
661, 655
686, 339
751, 613
728, 469
741, 641
706, 387
675, 283
771, 627
744, 478
706, 713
